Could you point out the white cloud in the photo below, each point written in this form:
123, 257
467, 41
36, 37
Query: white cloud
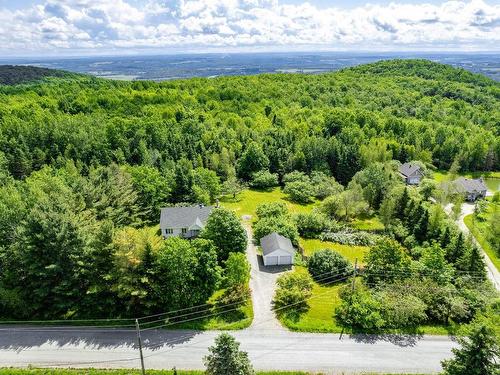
59, 26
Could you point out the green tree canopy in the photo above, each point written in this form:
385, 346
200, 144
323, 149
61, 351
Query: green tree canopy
477, 355
226, 358
226, 232
387, 261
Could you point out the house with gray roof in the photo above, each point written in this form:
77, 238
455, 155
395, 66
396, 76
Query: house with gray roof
277, 250
184, 222
411, 173
471, 188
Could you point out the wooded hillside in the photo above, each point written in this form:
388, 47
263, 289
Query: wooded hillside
416, 109
14, 75
86, 164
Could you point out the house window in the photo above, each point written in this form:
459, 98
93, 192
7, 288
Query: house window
184, 230
169, 231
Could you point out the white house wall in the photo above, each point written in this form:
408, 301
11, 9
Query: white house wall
176, 232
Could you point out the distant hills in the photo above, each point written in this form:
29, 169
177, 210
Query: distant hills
15, 74
168, 67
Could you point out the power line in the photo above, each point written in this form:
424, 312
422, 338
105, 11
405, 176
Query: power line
219, 313
65, 321
180, 339
242, 300
262, 322
208, 304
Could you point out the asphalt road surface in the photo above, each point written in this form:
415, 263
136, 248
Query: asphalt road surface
268, 350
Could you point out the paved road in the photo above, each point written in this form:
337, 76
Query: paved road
263, 285
493, 273
267, 348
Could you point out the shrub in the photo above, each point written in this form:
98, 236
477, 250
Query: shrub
272, 209
324, 185
234, 296
350, 237
282, 225
264, 180
237, 270
401, 309
296, 176
359, 310
293, 291
299, 191
311, 225
327, 265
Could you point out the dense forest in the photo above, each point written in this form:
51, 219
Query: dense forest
13, 75
86, 164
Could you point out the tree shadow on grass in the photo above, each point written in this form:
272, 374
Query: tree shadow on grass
294, 313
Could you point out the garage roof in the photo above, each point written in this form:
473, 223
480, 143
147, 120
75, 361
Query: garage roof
275, 241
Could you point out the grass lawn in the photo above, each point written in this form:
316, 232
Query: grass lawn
35, 371
231, 320
319, 317
491, 179
479, 230
368, 224
310, 246
247, 201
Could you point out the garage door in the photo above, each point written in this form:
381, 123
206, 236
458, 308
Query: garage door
271, 260
286, 259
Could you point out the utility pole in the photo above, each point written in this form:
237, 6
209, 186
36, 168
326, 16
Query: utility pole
353, 286
354, 274
139, 341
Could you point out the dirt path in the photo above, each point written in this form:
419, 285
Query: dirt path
262, 284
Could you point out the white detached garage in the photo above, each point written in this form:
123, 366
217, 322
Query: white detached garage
276, 250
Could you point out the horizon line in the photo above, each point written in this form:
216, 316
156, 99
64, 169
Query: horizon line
162, 54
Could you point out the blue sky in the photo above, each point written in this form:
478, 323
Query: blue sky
87, 27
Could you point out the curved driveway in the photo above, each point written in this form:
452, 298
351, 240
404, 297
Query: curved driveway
493, 273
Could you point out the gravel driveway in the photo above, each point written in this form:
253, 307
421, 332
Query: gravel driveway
263, 285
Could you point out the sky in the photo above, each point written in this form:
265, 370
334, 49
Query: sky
119, 27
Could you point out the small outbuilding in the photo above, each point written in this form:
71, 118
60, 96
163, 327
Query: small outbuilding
411, 173
277, 250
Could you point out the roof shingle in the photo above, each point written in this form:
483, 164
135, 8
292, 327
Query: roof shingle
407, 169
275, 241
184, 217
